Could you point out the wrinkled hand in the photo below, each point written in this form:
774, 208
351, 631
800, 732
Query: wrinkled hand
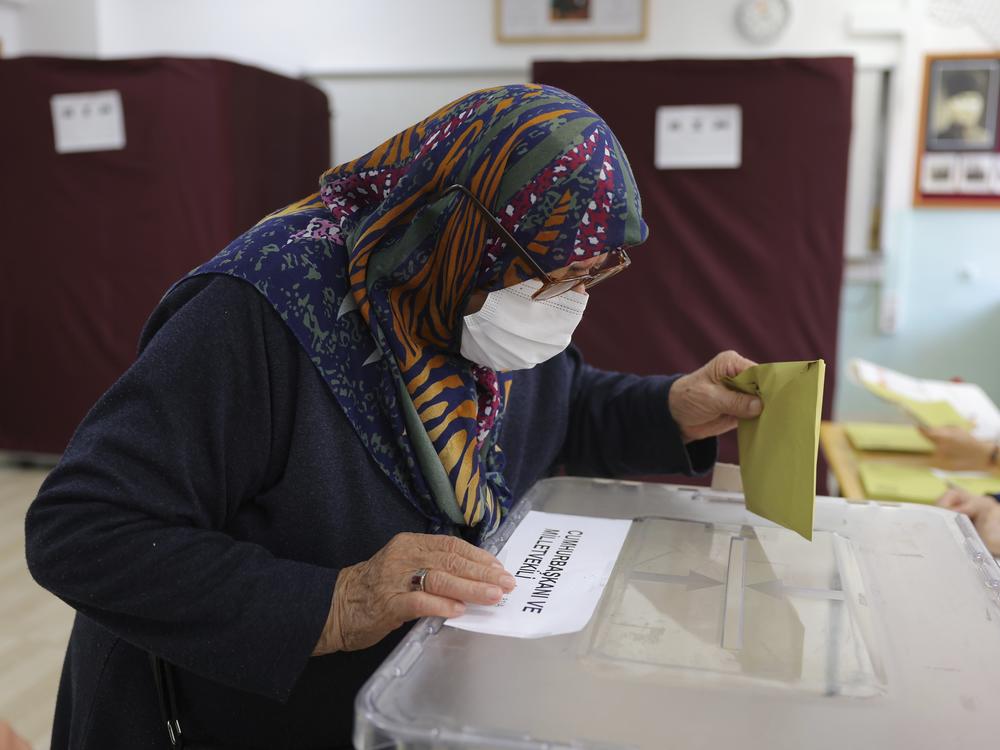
957, 449
373, 598
703, 407
983, 511
9, 739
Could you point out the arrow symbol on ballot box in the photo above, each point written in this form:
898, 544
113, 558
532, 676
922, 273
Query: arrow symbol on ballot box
776, 588
693, 581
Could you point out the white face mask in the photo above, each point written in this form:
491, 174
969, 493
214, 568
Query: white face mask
515, 332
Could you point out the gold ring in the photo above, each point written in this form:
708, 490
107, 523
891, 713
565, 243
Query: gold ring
417, 580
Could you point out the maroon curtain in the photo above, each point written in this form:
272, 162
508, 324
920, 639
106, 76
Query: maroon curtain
749, 258
91, 241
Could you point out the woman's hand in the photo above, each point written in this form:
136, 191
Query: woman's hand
982, 510
957, 449
9, 739
703, 407
373, 598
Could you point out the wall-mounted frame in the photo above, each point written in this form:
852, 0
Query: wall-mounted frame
958, 153
570, 20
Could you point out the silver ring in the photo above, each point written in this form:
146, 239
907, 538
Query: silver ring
417, 580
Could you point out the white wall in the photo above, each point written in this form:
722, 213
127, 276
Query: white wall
395, 34
336, 40
60, 27
341, 44
368, 109
10, 30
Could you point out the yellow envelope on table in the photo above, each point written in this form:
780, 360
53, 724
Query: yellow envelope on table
918, 484
908, 484
778, 449
897, 438
978, 485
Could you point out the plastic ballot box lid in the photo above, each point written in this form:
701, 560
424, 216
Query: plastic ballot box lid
718, 629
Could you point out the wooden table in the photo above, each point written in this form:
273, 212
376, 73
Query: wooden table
843, 459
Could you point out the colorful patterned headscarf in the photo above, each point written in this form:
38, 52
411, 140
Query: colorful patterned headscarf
373, 273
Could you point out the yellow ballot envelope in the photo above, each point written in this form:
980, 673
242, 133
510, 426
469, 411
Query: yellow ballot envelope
978, 485
920, 484
934, 413
778, 449
895, 438
911, 484
928, 413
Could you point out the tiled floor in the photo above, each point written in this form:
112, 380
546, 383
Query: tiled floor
34, 625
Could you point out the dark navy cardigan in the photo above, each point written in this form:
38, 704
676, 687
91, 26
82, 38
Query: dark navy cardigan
208, 501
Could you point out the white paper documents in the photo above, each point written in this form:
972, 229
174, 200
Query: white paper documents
968, 399
561, 565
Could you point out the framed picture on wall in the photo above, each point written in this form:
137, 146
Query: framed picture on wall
962, 109
570, 20
958, 153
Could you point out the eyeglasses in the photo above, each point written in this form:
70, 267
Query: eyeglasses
615, 262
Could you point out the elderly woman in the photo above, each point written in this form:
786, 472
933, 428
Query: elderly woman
326, 418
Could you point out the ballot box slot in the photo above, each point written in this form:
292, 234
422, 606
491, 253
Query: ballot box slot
718, 496
732, 618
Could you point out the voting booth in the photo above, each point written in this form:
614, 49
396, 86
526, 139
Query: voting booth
746, 220
119, 177
718, 629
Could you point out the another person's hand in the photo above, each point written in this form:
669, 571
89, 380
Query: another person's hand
982, 510
958, 449
703, 407
9, 739
375, 597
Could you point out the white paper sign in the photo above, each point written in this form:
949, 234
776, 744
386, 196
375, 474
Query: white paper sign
90, 121
704, 137
561, 565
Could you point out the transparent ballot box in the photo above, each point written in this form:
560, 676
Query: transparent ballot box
718, 629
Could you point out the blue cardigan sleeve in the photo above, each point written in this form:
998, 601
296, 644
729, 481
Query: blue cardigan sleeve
620, 425
128, 527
